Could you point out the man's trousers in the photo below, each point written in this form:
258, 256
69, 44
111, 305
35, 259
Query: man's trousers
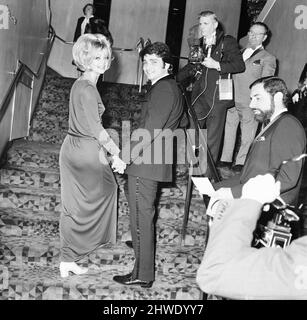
141, 198
244, 115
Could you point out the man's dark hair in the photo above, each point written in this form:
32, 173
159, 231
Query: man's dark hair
160, 49
272, 85
89, 5
267, 31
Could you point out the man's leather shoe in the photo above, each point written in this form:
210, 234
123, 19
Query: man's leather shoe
128, 280
129, 244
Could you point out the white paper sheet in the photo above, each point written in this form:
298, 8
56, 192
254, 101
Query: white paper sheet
203, 185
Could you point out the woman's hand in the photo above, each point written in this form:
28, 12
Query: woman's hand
118, 165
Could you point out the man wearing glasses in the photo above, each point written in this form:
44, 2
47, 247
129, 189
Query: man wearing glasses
258, 63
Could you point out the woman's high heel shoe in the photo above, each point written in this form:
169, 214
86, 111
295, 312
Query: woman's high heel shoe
66, 267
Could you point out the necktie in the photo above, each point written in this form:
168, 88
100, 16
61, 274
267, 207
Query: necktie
265, 123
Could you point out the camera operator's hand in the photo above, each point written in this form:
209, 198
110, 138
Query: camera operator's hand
211, 63
262, 188
220, 194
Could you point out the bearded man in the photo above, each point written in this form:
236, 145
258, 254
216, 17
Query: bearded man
282, 137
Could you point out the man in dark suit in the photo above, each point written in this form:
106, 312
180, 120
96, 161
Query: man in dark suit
258, 64
233, 269
222, 58
83, 22
281, 139
162, 110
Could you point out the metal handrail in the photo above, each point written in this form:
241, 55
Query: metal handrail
71, 42
22, 68
136, 48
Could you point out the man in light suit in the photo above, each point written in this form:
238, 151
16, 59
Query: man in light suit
281, 139
162, 110
231, 268
258, 63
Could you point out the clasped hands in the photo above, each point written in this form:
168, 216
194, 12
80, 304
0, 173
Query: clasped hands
118, 165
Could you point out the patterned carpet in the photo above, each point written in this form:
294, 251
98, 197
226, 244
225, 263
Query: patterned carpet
30, 206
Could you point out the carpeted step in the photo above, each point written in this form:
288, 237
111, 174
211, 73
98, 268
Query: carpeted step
37, 155
30, 175
53, 92
51, 123
25, 178
53, 136
170, 259
42, 196
42, 155
31, 198
36, 282
168, 231
58, 108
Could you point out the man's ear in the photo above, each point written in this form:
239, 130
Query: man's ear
278, 98
167, 65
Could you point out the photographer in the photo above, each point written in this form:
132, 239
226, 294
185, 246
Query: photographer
231, 268
221, 58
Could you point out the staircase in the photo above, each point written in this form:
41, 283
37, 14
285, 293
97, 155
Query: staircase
30, 206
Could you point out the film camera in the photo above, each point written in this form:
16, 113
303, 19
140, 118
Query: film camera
277, 232
196, 54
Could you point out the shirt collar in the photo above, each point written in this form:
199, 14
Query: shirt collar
276, 114
159, 79
87, 19
211, 39
258, 47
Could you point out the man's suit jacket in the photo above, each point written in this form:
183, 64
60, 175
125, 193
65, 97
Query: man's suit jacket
78, 28
260, 64
283, 140
162, 109
227, 52
232, 268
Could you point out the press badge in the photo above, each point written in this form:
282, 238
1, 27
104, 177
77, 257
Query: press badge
225, 88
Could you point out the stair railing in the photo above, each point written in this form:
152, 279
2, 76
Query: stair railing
138, 47
18, 74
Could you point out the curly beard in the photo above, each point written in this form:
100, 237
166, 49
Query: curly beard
263, 116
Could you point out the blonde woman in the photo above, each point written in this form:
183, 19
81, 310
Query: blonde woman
88, 186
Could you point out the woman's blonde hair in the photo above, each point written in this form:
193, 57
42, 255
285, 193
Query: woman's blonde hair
85, 49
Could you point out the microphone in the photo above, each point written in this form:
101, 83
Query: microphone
147, 42
140, 42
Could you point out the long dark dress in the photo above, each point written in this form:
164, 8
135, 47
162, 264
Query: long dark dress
88, 187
